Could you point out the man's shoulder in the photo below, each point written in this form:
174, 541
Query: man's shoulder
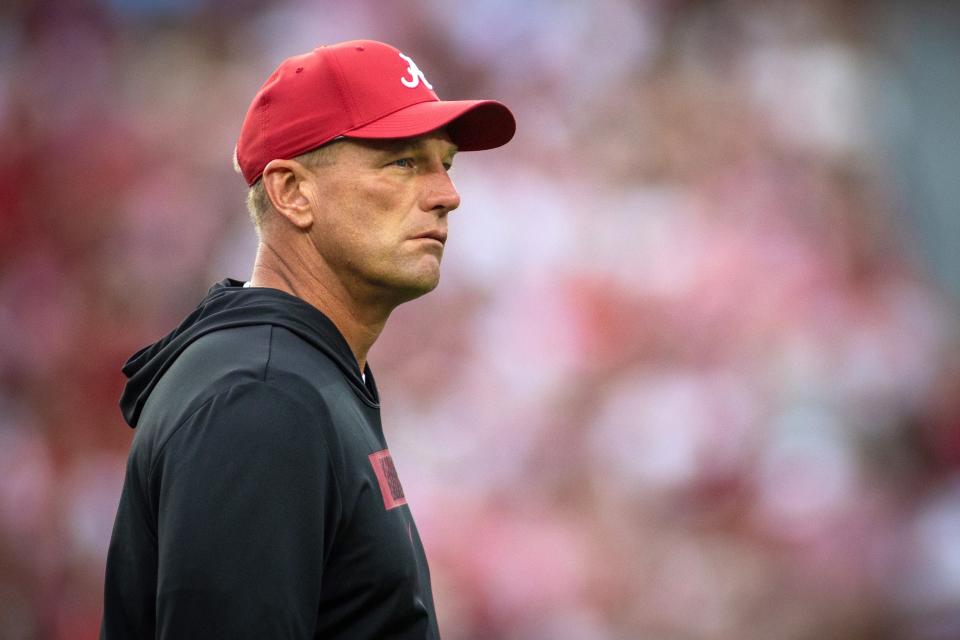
228, 358
210, 365
216, 361
233, 374
253, 352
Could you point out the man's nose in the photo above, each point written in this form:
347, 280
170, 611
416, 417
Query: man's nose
441, 194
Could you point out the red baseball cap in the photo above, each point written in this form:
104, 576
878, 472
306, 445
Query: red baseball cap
357, 89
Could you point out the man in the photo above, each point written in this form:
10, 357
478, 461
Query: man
260, 499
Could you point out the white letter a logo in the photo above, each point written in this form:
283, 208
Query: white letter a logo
416, 76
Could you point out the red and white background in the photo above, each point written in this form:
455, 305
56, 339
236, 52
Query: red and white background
693, 368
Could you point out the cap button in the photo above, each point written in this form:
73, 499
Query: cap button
359, 48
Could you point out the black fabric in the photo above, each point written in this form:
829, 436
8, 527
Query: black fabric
251, 506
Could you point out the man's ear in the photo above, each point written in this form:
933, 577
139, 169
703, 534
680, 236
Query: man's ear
285, 182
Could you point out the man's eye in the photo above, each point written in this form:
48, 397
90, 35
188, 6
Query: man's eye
403, 162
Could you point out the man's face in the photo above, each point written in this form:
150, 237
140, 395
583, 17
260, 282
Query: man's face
382, 210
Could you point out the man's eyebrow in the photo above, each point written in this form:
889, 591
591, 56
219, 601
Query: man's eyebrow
393, 146
398, 146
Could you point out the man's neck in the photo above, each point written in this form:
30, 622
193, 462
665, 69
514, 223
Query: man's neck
360, 327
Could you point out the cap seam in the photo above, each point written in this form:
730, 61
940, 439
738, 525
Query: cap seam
390, 113
346, 96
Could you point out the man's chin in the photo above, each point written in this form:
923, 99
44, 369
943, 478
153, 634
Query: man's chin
413, 286
421, 287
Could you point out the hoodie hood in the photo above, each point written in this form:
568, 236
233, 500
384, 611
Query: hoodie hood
227, 305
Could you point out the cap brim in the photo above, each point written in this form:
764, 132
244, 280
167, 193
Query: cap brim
473, 125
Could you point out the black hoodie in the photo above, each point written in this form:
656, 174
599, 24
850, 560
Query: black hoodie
260, 499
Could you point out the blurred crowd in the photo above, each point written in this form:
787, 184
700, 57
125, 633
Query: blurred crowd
684, 376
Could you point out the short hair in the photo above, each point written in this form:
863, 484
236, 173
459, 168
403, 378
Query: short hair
258, 203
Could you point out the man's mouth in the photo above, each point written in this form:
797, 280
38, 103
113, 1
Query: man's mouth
435, 234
